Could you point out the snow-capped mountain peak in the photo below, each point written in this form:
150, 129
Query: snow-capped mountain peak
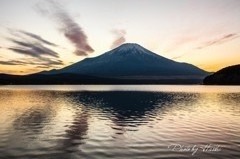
130, 48
131, 60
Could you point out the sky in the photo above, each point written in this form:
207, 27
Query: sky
38, 35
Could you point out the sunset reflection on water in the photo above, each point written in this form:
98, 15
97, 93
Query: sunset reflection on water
118, 123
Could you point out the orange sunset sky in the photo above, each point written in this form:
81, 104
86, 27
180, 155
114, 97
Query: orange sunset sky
41, 35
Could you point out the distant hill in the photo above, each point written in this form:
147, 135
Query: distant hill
126, 64
226, 76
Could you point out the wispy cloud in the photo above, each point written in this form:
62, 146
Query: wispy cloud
37, 37
70, 28
32, 49
51, 62
35, 49
47, 63
12, 62
201, 42
30, 44
220, 40
42, 67
119, 37
177, 57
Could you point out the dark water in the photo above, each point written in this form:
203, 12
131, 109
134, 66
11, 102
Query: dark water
135, 122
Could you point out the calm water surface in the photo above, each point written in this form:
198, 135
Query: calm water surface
158, 121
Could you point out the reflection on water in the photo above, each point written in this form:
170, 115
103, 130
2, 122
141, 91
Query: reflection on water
118, 124
130, 108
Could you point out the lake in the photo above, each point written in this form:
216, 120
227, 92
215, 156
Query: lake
127, 121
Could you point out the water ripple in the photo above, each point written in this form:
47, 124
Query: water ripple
118, 124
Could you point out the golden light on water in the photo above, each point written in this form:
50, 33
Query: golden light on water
118, 120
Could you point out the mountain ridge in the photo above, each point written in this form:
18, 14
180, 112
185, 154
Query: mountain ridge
131, 60
226, 76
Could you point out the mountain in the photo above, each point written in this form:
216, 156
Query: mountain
226, 76
129, 61
126, 64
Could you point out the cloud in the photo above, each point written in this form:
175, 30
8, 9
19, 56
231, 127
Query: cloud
37, 37
47, 63
33, 46
217, 41
119, 37
42, 67
12, 62
32, 49
71, 29
24, 35
201, 42
177, 57
30, 44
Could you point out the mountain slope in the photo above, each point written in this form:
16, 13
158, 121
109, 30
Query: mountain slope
226, 76
131, 60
